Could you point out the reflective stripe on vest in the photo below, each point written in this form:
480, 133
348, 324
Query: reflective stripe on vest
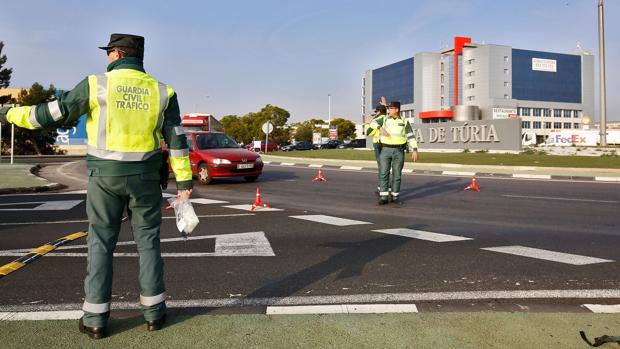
126, 115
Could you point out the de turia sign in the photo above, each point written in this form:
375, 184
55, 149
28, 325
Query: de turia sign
502, 134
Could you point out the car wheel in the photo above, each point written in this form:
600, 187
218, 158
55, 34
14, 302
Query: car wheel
250, 179
203, 174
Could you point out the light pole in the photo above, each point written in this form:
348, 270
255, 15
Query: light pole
329, 109
601, 61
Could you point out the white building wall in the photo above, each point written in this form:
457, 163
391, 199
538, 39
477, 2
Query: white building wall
426, 82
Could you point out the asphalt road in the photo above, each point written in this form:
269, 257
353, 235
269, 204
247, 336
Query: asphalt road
569, 231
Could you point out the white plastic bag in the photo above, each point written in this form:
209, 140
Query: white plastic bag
184, 212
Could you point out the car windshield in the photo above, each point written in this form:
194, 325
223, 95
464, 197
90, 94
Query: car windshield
215, 140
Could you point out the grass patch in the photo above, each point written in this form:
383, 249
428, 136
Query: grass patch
530, 158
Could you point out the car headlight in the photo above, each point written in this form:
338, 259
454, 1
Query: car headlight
221, 161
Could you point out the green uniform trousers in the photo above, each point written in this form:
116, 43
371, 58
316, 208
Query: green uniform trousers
107, 198
390, 159
377, 148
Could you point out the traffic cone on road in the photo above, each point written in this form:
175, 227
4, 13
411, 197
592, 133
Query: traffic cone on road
319, 176
473, 185
258, 203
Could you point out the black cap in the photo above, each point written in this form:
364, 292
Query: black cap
380, 109
125, 40
394, 104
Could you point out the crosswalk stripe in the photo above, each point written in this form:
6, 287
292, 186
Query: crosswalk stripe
603, 308
552, 256
206, 201
422, 235
37, 315
319, 218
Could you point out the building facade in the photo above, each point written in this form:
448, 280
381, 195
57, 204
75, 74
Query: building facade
548, 91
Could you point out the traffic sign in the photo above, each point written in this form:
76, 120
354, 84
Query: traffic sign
267, 127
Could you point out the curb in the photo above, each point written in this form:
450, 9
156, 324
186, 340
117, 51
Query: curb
455, 173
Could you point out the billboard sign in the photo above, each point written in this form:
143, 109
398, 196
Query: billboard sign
504, 113
501, 134
333, 132
548, 65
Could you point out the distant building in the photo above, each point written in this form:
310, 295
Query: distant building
548, 91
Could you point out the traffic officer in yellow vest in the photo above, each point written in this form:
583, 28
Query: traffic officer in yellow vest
395, 134
128, 113
380, 111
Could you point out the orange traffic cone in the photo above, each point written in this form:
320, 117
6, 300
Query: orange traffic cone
473, 185
319, 176
258, 203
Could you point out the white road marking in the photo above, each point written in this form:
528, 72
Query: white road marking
607, 179
315, 166
343, 299
206, 201
37, 315
75, 192
226, 245
287, 164
60, 205
166, 217
407, 170
330, 220
560, 199
459, 173
531, 176
266, 162
249, 208
350, 168
603, 308
61, 172
547, 255
423, 235
342, 309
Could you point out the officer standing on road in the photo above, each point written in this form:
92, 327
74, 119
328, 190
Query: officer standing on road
380, 112
128, 112
395, 134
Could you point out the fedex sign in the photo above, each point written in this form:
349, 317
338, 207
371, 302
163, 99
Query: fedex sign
572, 138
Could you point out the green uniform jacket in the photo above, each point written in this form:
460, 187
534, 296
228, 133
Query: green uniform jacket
75, 103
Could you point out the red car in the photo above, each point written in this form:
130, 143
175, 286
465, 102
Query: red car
215, 155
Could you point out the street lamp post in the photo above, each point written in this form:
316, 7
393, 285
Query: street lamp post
329, 109
601, 60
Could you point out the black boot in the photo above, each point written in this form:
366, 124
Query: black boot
92, 332
156, 325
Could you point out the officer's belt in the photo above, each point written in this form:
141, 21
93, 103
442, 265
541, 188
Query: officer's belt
393, 145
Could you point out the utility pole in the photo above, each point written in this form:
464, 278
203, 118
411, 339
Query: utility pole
601, 61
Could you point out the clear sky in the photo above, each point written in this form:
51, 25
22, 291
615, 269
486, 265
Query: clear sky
234, 57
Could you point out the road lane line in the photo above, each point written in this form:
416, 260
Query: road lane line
207, 201
342, 299
166, 217
531, 176
422, 235
459, 173
287, 164
607, 179
560, 199
37, 315
319, 218
60, 171
357, 168
226, 245
552, 256
315, 166
342, 309
603, 308
249, 208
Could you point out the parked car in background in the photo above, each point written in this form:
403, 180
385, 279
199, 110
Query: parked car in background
298, 146
331, 144
271, 146
355, 143
215, 155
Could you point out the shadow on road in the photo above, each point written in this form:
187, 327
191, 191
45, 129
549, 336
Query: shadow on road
433, 188
349, 262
